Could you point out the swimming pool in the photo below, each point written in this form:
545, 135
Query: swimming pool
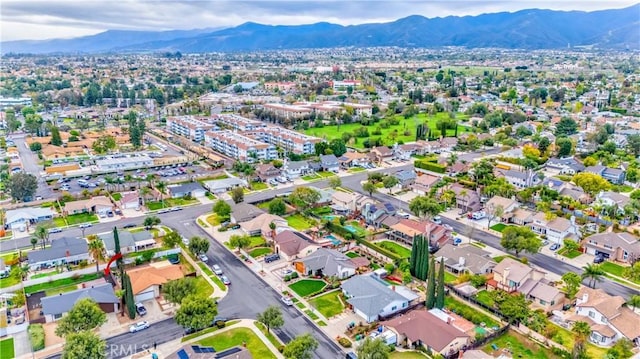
350, 228
329, 217
333, 239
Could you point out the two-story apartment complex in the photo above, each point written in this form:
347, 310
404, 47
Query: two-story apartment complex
288, 140
239, 146
188, 126
237, 122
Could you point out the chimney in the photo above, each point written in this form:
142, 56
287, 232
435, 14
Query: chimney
505, 274
585, 297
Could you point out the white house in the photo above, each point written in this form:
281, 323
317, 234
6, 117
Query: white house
556, 229
23, 217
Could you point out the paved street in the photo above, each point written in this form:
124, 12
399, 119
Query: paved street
30, 165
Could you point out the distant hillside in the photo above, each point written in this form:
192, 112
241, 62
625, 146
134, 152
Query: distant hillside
526, 29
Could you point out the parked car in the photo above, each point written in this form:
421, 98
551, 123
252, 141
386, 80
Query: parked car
598, 259
287, 301
140, 309
85, 225
129, 225
477, 215
554, 247
217, 270
139, 326
203, 257
351, 355
271, 258
437, 220
55, 230
225, 280
185, 241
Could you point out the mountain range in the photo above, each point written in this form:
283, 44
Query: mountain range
525, 29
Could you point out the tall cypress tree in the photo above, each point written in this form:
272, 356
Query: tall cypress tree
431, 285
440, 289
414, 255
424, 259
129, 301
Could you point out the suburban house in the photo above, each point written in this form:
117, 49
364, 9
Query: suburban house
467, 200
613, 175
147, 281
353, 159
372, 300
613, 199
189, 189
407, 229
376, 214
62, 251
421, 328
556, 229
520, 216
296, 169
326, 262
27, 216
510, 274
243, 212
261, 225
404, 152
565, 166
266, 172
129, 200
224, 185
129, 242
344, 202
405, 178
542, 295
424, 183
97, 205
457, 168
621, 247
508, 206
465, 259
329, 163
520, 179
448, 143
55, 306
293, 245
381, 153
609, 318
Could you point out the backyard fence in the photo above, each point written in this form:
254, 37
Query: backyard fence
471, 299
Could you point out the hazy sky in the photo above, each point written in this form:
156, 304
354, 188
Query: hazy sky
44, 19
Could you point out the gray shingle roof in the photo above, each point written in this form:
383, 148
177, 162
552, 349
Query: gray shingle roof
186, 187
328, 260
62, 303
60, 248
127, 239
369, 295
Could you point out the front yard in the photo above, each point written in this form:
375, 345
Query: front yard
170, 202
617, 270
65, 282
298, 222
407, 355
307, 287
318, 176
6, 349
395, 248
238, 337
260, 251
75, 219
328, 304
569, 253
499, 227
257, 186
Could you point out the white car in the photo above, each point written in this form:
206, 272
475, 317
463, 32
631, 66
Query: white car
139, 326
287, 301
217, 270
203, 257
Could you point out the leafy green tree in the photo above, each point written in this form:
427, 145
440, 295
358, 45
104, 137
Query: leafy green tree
369, 187
572, 283
419, 260
543, 144
565, 146
237, 194
373, 349
13, 124
239, 242
566, 127
515, 308
34, 241
634, 301
22, 186
176, 290
304, 197
196, 312
301, 347
56, 140
198, 245
591, 182
593, 272
104, 144
389, 182
519, 239
621, 349
321, 147
151, 221
35, 147
431, 285
271, 318
632, 273
335, 182
84, 344
84, 315
633, 144
425, 207
171, 239
96, 249
338, 147
222, 209
440, 288
277, 207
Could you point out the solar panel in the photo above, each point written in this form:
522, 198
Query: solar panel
207, 350
196, 349
183, 354
228, 352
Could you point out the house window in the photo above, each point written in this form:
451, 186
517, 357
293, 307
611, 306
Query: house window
592, 314
603, 319
543, 302
394, 307
404, 305
553, 302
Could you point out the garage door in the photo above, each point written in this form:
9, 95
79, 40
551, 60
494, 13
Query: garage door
148, 295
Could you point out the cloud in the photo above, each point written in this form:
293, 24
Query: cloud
38, 19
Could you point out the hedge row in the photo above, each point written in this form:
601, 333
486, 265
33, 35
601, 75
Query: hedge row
380, 250
36, 336
341, 231
430, 166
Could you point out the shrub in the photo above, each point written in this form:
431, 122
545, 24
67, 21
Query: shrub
346, 343
429, 166
36, 336
281, 348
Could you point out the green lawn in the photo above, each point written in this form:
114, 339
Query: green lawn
170, 202
204, 289
272, 338
207, 331
499, 227
59, 290
299, 222
12, 279
485, 298
499, 259
328, 304
566, 338
519, 346
238, 337
352, 255
612, 268
6, 349
257, 241
311, 314
569, 253
396, 248
207, 271
407, 355
61, 283
260, 251
256, 186
449, 277
306, 287
356, 169
469, 313
409, 125
116, 196
215, 220
81, 218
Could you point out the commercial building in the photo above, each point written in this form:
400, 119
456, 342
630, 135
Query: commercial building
111, 164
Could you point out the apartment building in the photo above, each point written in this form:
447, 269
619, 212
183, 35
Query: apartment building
239, 146
290, 141
281, 86
188, 126
344, 85
287, 111
238, 123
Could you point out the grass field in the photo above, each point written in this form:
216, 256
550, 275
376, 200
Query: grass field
328, 304
257, 241
409, 125
207, 331
81, 218
306, 287
170, 202
204, 289
484, 298
519, 346
12, 279
569, 253
499, 227
6, 349
238, 337
469, 313
272, 338
215, 220
566, 338
61, 283
396, 248
352, 254
407, 355
449, 277
116, 196
612, 268
207, 271
260, 251
299, 222
256, 186
318, 176
311, 314
356, 169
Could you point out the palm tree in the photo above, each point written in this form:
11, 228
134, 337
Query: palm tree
151, 178
162, 188
96, 249
582, 330
42, 234
109, 183
634, 301
144, 193
594, 272
34, 241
